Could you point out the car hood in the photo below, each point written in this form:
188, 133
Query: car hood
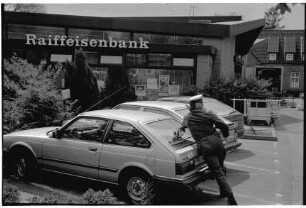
37, 132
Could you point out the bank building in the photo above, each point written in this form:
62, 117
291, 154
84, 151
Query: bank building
162, 55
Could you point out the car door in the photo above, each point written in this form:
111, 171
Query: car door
78, 148
123, 144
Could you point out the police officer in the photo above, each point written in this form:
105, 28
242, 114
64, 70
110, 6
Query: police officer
201, 125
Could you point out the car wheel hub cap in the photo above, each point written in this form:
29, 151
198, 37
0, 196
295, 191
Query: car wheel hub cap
21, 166
137, 188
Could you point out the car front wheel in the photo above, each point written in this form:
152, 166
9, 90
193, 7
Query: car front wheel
23, 166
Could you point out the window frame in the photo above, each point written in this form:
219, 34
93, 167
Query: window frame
111, 124
293, 76
270, 56
290, 55
69, 124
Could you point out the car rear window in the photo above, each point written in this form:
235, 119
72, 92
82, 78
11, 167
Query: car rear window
166, 129
182, 112
218, 107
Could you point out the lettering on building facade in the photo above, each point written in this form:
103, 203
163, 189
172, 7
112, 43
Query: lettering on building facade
62, 40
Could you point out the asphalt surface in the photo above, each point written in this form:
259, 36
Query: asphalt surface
261, 172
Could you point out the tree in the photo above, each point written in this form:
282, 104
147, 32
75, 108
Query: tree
273, 18
81, 81
30, 98
283, 8
31, 8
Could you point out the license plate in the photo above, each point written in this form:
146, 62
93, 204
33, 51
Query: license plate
198, 160
236, 123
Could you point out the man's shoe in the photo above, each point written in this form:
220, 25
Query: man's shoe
231, 200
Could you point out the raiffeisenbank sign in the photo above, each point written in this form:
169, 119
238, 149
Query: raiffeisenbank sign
62, 40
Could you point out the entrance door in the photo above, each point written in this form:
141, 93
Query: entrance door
271, 74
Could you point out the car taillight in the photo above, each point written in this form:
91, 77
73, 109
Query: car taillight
184, 167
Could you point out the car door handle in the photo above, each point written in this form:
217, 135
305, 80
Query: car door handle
93, 149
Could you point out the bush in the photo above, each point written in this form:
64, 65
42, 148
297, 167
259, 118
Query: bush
30, 98
100, 197
225, 90
54, 198
10, 194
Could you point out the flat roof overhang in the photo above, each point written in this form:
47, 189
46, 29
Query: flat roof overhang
133, 25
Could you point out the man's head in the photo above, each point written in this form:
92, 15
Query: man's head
196, 102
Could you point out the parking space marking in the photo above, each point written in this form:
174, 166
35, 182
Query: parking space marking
250, 167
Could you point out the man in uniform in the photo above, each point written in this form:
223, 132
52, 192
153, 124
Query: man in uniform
201, 125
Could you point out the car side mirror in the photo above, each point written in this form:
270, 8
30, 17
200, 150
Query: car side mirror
54, 134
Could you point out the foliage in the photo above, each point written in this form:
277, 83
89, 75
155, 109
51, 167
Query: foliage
151, 194
273, 18
54, 198
10, 194
236, 88
30, 98
81, 81
100, 197
31, 8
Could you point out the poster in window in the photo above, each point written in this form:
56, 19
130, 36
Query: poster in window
140, 90
174, 90
151, 83
163, 85
66, 94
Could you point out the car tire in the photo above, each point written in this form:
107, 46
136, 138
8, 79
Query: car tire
24, 166
139, 189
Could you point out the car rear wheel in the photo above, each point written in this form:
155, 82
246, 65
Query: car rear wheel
139, 189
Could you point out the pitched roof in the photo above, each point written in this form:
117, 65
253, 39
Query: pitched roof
260, 48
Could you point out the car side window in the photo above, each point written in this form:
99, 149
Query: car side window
153, 110
125, 134
88, 129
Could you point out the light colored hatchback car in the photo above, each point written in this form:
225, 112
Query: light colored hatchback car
217, 107
114, 146
178, 110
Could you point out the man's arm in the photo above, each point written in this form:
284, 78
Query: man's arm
219, 124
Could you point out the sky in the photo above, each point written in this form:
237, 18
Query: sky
248, 11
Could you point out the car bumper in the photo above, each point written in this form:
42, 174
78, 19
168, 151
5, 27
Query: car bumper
191, 181
232, 145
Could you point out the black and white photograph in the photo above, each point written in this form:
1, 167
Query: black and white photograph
169, 103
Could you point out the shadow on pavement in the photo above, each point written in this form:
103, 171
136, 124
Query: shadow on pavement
238, 154
285, 120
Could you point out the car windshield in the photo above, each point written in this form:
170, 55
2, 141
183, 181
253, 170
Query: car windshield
166, 129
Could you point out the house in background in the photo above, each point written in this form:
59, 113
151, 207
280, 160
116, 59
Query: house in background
279, 56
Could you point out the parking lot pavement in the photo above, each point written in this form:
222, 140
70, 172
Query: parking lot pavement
260, 132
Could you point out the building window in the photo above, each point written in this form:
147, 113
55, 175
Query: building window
85, 34
272, 56
294, 80
135, 59
289, 57
16, 31
91, 57
60, 58
111, 59
159, 60
187, 62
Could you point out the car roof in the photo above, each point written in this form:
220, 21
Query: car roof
184, 99
157, 104
126, 115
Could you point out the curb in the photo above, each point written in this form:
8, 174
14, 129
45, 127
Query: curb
256, 137
261, 137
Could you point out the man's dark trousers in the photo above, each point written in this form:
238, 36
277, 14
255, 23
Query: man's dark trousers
214, 153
